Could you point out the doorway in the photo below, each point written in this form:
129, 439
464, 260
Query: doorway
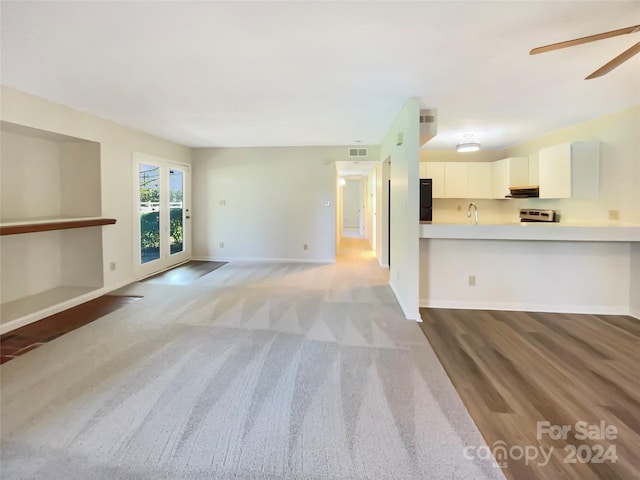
357, 204
352, 208
162, 233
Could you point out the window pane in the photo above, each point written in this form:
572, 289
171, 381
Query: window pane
149, 188
176, 211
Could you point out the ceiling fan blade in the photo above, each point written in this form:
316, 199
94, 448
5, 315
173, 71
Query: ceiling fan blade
590, 38
616, 62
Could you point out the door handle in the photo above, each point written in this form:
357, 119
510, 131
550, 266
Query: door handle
188, 216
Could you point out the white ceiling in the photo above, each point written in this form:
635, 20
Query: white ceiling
321, 73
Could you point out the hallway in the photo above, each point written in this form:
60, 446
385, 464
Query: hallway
355, 249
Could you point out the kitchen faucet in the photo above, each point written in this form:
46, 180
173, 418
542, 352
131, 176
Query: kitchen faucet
469, 212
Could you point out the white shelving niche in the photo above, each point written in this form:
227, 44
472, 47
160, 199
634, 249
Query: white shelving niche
50, 187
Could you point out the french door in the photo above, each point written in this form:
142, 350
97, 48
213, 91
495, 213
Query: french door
162, 230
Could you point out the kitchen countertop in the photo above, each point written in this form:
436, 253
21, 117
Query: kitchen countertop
532, 231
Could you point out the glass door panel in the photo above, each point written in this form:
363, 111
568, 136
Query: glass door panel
149, 211
176, 211
162, 230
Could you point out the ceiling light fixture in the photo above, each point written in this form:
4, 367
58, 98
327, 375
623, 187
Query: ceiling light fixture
468, 147
468, 144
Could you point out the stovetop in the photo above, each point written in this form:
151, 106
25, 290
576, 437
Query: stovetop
537, 215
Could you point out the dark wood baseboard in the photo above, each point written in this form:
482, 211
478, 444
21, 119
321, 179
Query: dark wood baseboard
24, 339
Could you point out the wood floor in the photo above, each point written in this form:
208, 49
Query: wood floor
514, 369
186, 273
25, 339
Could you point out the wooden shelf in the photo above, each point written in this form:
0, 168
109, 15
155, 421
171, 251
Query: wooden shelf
15, 228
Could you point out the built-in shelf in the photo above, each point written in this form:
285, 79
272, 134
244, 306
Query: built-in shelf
50, 191
45, 225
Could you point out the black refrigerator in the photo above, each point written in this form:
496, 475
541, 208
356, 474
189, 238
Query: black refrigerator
426, 197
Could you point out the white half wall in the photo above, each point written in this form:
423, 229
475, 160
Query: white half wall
402, 145
634, 281
577, 277
265, 203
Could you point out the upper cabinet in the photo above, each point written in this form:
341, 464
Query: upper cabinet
480, 180
509, 172
570, 170
456, 180
475, 179
435, 171
450, 180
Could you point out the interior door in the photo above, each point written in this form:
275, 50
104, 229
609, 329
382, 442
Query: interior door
161, 227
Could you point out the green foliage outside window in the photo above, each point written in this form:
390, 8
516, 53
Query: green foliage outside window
150, 229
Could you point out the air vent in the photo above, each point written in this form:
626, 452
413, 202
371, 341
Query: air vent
428, 125
358, 152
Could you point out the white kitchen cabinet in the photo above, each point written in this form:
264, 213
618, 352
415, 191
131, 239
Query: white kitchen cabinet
422, 168
456, 180
480, 180
570, 170
509, 172
476, 180
435, 171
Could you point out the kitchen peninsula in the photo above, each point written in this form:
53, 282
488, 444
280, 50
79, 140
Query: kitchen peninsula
533, 267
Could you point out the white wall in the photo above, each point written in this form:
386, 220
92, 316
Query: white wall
275, 202
117, 144
619, 168
383, 172
80, 179
26, 274
371, 214
28, 166
405, 197
339, 209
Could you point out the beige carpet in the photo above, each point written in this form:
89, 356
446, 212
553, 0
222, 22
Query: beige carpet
254, 371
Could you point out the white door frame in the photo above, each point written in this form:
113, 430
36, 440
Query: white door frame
166, 260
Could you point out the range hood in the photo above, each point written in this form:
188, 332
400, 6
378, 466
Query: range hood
526, 191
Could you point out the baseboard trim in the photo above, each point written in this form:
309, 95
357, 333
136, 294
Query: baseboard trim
415, 316
519, 307
265, 260
634, 313
59, 307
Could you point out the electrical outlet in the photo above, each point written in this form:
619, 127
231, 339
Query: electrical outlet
614, 214
223, 203
112, 266
221, 244
305, 247
472, 280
